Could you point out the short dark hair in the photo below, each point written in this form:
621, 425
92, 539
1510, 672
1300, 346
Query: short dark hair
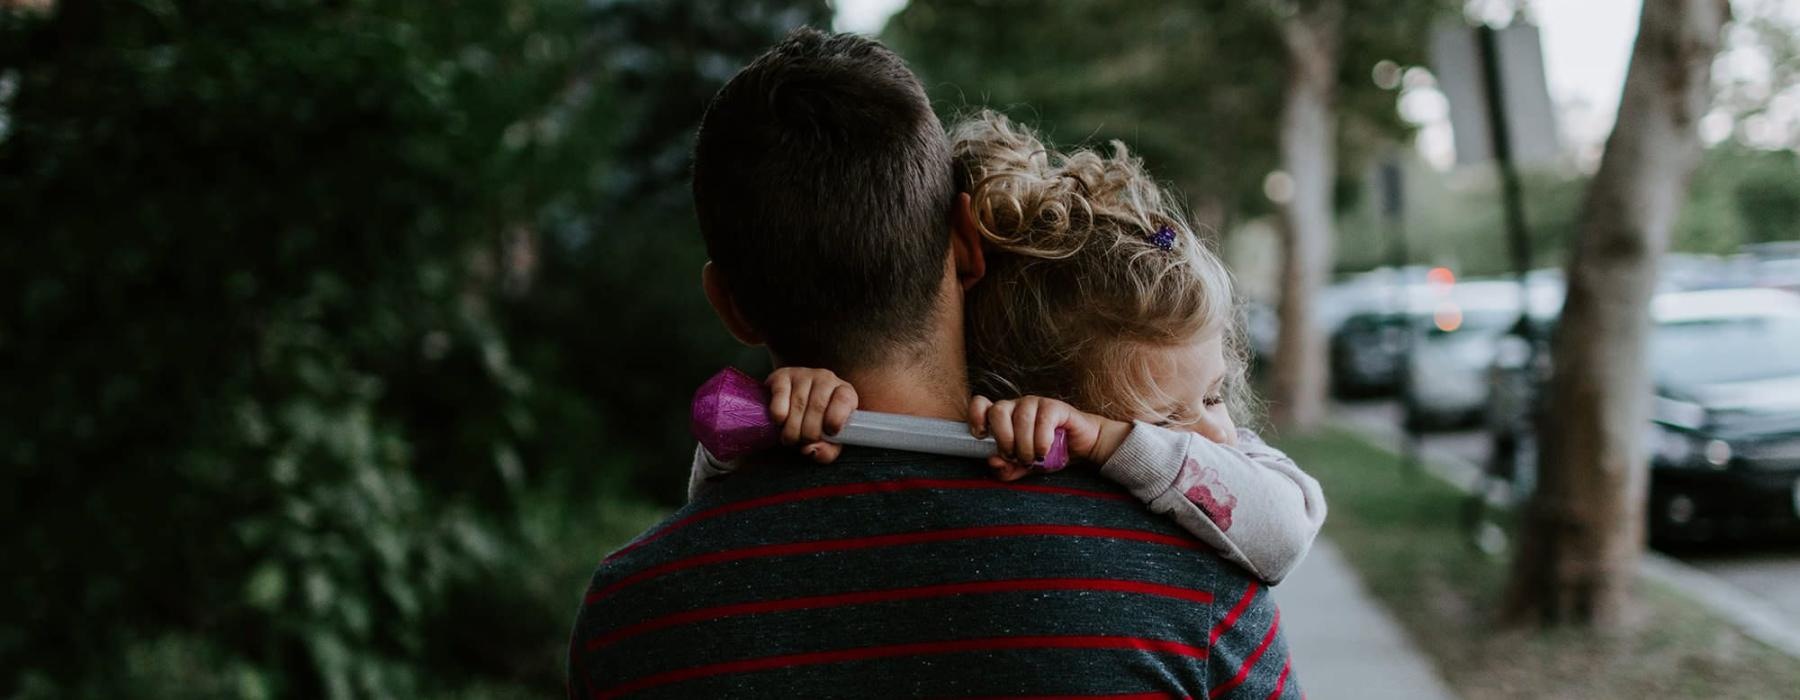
823, 185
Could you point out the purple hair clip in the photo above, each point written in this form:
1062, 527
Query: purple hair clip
1164, 238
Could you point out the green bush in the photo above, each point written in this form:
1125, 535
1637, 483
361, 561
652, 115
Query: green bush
264, 421
340, 338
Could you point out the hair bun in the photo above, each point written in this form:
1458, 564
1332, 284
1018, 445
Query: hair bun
1030, 200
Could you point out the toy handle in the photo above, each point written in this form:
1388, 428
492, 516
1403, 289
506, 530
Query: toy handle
731, 419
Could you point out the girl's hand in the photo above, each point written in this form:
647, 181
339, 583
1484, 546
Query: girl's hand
1024, 429
810, 404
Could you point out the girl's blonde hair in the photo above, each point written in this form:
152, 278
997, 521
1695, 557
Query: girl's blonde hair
1077, 286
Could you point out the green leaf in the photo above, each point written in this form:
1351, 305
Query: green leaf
267, 586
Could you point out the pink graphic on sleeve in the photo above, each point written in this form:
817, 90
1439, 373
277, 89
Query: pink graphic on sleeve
1210, 494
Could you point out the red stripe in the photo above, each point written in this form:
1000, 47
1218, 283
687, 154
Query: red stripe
1281, 683
1232, 617
904, 538
1249, 663
913, 649
894, 594
838, 490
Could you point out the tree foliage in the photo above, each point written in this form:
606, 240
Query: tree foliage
294, 293
615, 312
1739, 195
1193, 87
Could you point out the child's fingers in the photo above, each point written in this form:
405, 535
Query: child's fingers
822, 452
812, 425
1000, 422
780, 386
796, 415
1050, 417
1009, 471
1025, 431
978, 410
837, 413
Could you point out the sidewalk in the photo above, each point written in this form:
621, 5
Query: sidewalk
1344, 644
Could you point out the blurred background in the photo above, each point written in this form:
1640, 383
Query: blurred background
342, 339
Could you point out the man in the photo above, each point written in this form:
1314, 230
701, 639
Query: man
823, 185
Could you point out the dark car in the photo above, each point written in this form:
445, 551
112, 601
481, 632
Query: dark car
1725, 446
1724, 437
1368, 353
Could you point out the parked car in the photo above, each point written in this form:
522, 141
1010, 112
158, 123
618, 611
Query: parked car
1446, 382
1380, 310
1724, 436
1773, 250
1725, 441
1783, 273
1368, 353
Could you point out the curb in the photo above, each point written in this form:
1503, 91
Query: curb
1757, 619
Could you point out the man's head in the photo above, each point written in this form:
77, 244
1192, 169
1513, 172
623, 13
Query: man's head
823, 185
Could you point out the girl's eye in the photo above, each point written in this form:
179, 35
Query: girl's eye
1214, 400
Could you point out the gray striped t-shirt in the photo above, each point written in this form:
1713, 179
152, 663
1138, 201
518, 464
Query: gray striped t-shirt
894, 574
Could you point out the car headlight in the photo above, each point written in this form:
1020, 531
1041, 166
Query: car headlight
1717, 453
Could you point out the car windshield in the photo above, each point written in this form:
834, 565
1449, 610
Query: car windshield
1715, 351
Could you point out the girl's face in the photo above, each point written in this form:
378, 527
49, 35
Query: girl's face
1193, 375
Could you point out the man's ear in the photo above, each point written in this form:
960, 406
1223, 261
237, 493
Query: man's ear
713, 281
965, 243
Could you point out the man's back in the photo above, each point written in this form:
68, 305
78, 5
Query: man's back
898, 574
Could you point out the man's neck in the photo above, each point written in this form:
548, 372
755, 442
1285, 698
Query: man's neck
914, 390
929, 378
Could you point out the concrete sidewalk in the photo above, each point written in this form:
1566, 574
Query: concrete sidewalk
1344, 644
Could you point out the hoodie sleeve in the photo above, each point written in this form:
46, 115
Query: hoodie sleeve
1250, 502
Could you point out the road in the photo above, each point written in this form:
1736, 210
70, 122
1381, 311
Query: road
1767, 572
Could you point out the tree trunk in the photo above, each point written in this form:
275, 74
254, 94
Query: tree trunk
1312, 39
1584, 532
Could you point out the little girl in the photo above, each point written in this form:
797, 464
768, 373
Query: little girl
1097, 294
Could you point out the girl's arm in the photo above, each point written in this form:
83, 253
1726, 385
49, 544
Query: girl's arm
1250, 502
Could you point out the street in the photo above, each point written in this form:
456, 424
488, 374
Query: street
1767, 572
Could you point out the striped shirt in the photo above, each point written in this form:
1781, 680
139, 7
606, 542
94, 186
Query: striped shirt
897, 574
